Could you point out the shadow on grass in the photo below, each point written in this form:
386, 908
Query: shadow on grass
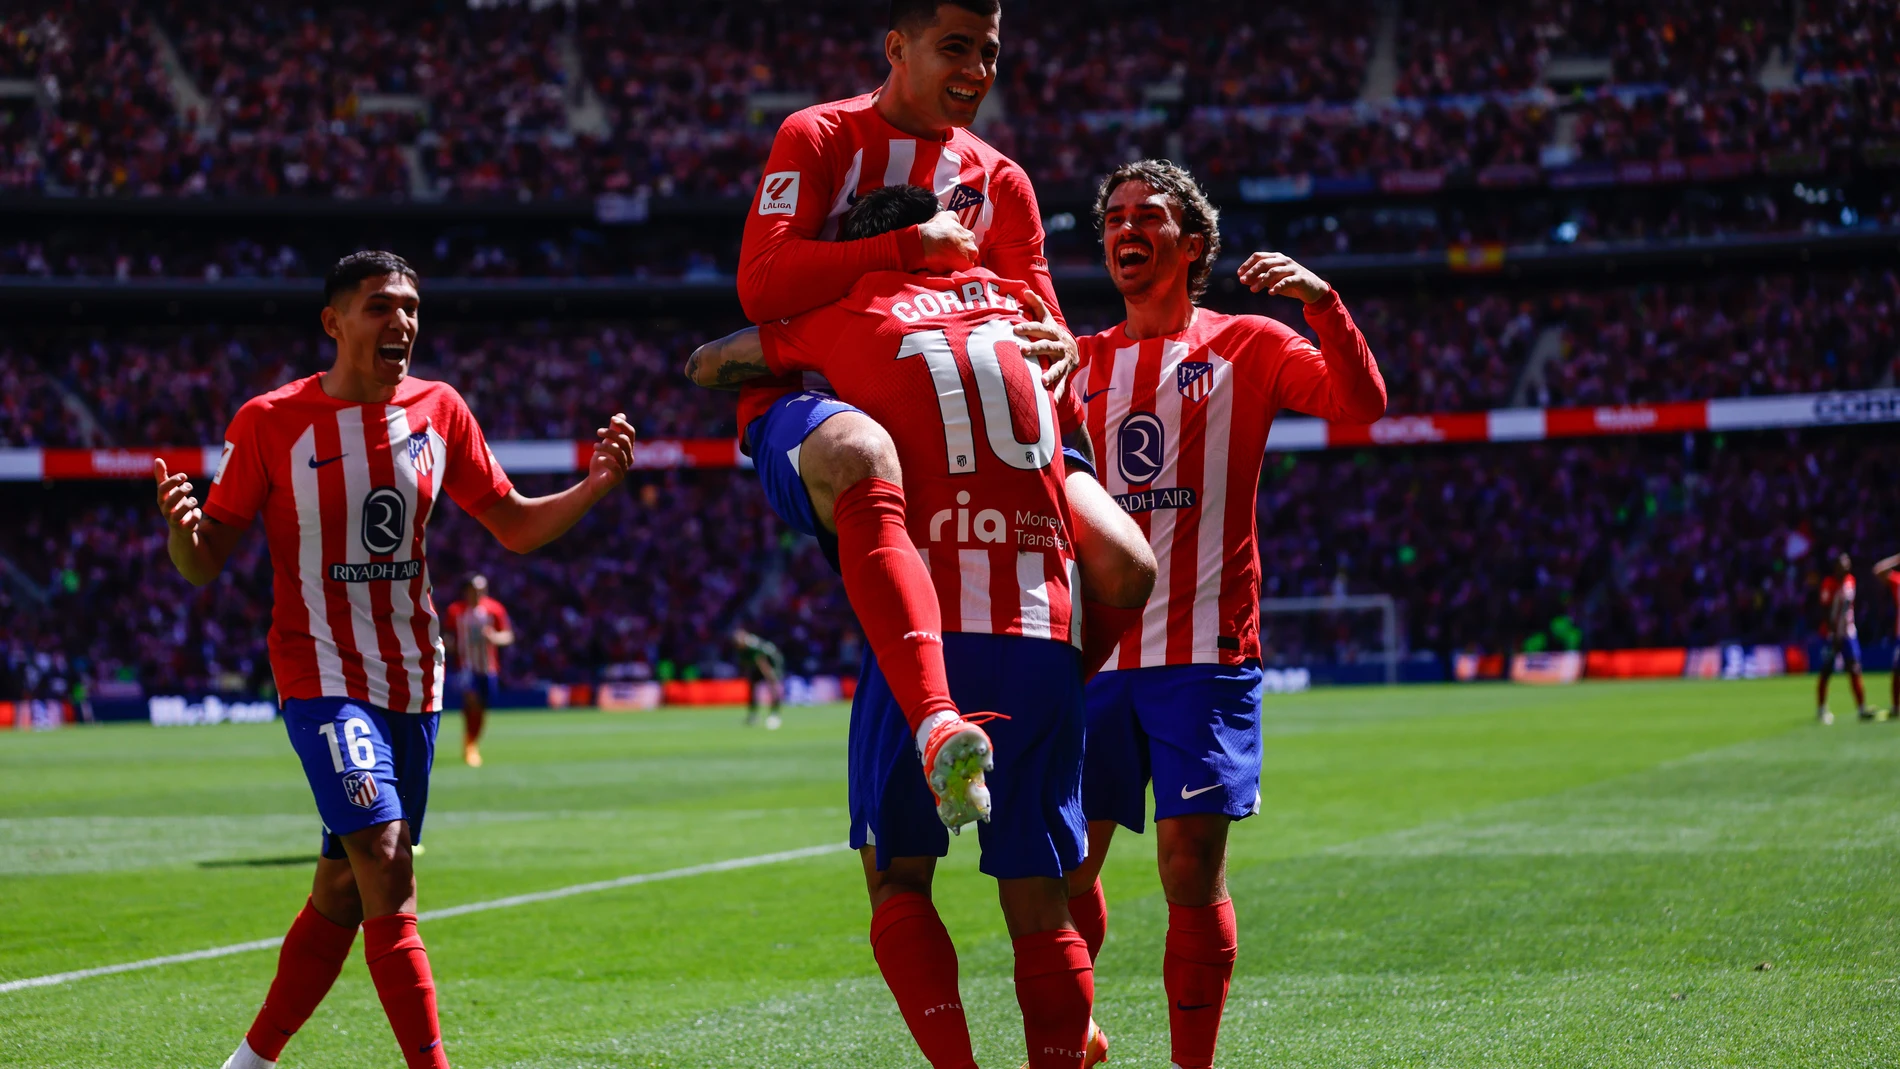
259, 862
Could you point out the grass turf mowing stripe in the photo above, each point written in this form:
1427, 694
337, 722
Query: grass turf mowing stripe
635, 880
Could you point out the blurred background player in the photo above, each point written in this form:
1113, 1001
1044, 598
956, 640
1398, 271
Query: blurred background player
1887, 569
346, 468
479, 628
1179, 402
760, 661
1842, 638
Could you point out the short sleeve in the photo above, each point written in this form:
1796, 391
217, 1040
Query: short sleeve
785, 343
242, 481
499, 616
474, 479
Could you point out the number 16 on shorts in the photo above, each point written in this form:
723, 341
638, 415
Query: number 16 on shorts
346, 754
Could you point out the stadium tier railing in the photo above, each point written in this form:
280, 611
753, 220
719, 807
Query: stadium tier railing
1290, 435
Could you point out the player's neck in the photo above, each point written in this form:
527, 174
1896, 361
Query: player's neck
345, 384
890, 108
1165, 314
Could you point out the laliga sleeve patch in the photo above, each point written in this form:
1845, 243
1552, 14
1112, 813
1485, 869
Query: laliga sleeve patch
778, 193
224, 461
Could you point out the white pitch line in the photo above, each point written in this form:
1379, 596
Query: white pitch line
635, 880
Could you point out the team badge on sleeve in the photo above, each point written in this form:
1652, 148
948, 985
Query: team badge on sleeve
778, 193
224, 461
1195, 379
360, 788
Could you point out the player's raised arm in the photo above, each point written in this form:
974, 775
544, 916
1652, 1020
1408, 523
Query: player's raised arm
729, 362
198, 544
525, 524
1340, 379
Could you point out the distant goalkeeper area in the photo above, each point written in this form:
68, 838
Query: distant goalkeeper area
1612, 874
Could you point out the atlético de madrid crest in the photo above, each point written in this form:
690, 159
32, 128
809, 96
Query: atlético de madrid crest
1195, 379
360, 788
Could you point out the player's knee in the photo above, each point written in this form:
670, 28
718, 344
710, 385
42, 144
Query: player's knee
849, 448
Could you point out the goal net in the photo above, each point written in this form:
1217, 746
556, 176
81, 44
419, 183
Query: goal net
1347, 629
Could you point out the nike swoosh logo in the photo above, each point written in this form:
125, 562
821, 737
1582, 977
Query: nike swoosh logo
1186, 794
1087, 397
315, 463
1191, 1009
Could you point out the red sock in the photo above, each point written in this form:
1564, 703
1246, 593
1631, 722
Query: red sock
1055, 985
919, 963
314, 951
400, 968
1103, 628
1196, 969
1860, 692
1090, 913
891, 592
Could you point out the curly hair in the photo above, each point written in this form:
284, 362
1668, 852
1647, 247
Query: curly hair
1198, 214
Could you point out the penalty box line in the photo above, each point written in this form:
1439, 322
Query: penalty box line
729, 865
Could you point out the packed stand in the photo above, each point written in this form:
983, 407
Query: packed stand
1840, 119
1845, 38
182, 387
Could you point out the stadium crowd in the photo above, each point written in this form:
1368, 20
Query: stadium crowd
525, 102
1610, 543
1723, 337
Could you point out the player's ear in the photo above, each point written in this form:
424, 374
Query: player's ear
331, 325
894, 47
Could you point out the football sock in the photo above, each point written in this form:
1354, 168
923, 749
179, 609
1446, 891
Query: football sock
1103, 628
1089, 910
890, 589
1055, 985
919, 962
1860, 692
313, 954
400, 968
1196, 969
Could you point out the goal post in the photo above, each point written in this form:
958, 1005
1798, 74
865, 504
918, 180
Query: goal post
1383, 604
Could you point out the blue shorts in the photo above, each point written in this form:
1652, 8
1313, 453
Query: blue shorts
775, 440
370, 766
1036, 826
1847, 650
485, 685
1194, 729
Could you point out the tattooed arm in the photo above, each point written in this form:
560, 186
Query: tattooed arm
730, 362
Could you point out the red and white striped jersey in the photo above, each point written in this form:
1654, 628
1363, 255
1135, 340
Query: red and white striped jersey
473, 651
935, 361
345, 490
823, 159
1837, 597
1180, 427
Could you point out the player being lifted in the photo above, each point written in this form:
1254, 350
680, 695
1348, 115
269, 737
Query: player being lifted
935, 358
828, 469
1842, 638
346, 467
1179, 400
478, 629
760, 661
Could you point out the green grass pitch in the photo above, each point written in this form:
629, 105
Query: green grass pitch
1442, 876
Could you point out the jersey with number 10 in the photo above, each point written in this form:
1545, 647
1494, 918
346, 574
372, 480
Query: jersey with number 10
345, 490
935, 362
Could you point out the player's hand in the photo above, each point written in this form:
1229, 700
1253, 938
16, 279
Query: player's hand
175, 502
1049, 342
948, 244
613, 454
1281, 276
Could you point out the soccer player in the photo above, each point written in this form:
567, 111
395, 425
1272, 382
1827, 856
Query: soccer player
1842, 637
936, 359
346, 467
1888, 570
827, 469
761, 662
1179, 399
480, 628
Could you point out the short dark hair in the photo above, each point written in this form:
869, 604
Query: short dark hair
1198, 214
884, 210
907, 15
349, 272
